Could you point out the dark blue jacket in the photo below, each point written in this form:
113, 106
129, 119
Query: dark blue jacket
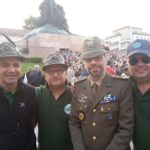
35, 78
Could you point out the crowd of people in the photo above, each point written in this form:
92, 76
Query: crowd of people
81, 101
116, 66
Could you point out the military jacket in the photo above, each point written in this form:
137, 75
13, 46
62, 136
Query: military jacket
102, 121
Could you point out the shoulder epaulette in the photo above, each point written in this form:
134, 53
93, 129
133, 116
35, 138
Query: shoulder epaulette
81, 79
121, 78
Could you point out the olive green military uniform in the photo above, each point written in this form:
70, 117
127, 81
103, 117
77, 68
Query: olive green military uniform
103, 121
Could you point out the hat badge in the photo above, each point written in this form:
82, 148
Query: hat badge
90, 43
137, 45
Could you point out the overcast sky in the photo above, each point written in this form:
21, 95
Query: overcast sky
85, 17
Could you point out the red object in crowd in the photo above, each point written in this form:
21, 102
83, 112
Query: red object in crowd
110, 70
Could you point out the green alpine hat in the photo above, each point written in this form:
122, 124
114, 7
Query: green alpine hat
9, 50
92, 47
54, 59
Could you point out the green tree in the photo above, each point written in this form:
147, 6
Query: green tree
30, 23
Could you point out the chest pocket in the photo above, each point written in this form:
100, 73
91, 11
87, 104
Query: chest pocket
82, 106
82, 102
109, 113
109, 107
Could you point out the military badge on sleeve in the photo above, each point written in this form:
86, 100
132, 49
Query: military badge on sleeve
22, 105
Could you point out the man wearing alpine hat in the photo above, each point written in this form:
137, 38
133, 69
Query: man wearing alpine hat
54, 105
102, 108
17, 103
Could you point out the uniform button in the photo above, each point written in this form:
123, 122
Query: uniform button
94, 110
14, 133
94, 124
94, 137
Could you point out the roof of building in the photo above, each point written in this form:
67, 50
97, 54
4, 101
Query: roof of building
141, 33
127, 27
17, 32
112, 36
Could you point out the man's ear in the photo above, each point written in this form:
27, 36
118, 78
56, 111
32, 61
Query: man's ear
44, 73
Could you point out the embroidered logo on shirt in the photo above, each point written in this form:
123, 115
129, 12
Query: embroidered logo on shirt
67, 109
22, 104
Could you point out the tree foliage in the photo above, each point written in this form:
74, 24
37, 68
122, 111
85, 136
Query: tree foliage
50, 13
30, 23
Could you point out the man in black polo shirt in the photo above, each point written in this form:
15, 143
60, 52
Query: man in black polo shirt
139, 67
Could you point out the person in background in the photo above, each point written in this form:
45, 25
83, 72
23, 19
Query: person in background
25, 75
70, 75
76, 77
125, 72
17, 103
54, 104
109, 69
35, 76
138, 53
84, 72
102, 107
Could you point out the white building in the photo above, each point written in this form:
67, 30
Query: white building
121, 37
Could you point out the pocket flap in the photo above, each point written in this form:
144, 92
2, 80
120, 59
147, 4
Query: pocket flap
108, 108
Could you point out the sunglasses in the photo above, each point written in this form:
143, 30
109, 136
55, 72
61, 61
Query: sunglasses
133, 60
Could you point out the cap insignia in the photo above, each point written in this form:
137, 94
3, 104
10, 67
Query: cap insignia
137, 45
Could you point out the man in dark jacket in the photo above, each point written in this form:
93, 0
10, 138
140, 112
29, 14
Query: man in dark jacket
17, 102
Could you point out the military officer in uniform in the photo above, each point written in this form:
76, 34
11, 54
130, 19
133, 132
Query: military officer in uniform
102, 107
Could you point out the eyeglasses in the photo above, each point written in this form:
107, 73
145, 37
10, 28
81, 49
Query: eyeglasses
133, 60
57, 71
